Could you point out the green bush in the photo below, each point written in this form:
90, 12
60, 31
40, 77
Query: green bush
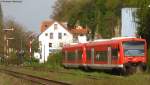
29, 61
55, 60
12, 59
16, 59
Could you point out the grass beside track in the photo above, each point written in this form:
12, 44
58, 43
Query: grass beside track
10, 80
80, 77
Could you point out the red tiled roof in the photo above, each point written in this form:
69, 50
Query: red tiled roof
45, 25
79, 30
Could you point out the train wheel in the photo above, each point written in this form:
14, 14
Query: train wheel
131, 70
117, 71
128, 70
141, 68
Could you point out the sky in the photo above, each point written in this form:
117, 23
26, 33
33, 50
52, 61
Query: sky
29, 13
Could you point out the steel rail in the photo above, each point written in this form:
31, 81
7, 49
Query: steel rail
35, 79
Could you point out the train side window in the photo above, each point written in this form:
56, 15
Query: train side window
76, 56
101, 55
92, 55
71, 55
88, 53
80, 54
76, 53
114, 54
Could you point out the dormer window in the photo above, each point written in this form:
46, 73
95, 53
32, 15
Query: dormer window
55, 26
46, 26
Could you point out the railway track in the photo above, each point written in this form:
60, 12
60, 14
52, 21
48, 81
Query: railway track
87, 76
34, 79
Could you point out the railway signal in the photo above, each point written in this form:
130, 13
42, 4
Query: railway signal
6, 41
7, 29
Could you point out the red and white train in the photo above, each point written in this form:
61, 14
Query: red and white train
126, 54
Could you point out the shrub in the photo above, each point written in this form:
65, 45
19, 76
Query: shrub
30, 60
12, 59
55, 60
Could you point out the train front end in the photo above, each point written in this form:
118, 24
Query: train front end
134, 55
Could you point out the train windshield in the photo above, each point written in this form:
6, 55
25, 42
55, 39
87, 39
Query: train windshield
133, 48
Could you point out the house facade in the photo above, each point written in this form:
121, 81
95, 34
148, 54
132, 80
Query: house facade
54, 35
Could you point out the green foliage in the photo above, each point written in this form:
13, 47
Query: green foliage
35, 45
12, 59
55, 60
144, 19
21, 37
30, 61
1, 30
101, 16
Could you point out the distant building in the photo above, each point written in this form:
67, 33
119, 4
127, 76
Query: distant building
53, 36
129, 25
80, 34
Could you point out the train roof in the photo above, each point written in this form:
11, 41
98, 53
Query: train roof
119, 39
74, 45
104, 41
115, 40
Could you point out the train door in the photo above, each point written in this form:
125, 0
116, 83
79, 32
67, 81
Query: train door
76, 56
109, 55
114, 55
92, 55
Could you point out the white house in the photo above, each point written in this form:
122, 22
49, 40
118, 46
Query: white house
52, 39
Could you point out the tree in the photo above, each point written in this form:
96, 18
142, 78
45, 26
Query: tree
1, 31
20, 35
91, 13
144, 19
101, 16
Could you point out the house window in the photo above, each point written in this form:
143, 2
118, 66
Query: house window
51, 35
65, 34
60, 44
46, 34
50, 44
55, 26
59, 35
